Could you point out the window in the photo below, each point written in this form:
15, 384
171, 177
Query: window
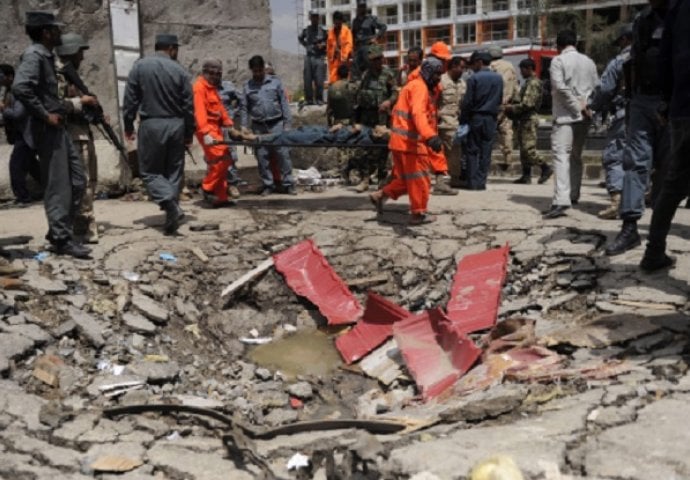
389, 15
412, 12
440, 10
341, 3
524, 4
496, 5
467, 7
391, 41
465, 33
495, 30
316, 4
411, 38
437, 34
527, 26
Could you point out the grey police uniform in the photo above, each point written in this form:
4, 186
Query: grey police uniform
265, 109
313, 39
159, 89
62, 172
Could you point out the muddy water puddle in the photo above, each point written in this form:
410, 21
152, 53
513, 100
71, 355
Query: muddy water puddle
307, 353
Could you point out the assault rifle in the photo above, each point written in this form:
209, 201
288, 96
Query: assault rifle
94, 114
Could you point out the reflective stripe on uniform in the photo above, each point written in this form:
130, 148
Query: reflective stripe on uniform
402, 114
405, 133
414, 175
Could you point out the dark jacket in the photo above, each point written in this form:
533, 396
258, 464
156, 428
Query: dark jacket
674, 60
16, 121
484, 95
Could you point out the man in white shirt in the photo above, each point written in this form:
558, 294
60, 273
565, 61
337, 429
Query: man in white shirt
573, 78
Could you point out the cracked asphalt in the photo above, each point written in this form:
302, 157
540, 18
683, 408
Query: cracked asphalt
176, 339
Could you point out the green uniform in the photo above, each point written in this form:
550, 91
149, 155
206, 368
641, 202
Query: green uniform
372, 91
525, 110
341, 100
82, 138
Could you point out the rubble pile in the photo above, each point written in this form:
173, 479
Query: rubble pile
145, 324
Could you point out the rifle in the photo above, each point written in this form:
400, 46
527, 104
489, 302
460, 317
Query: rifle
94, 114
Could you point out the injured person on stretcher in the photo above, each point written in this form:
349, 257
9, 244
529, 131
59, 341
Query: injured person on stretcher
336, 136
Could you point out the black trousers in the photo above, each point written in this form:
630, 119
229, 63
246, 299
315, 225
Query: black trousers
477, 150
23, 162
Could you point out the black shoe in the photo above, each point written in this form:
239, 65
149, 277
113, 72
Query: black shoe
627, 239
523, 180
653, 262
72, 249
266, 192
546, 173
291, 190
574, 201
555, 211
173, 215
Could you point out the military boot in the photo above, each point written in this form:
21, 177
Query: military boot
627, 239
526, 177
363, 185
442, 186
546, 172
611, 212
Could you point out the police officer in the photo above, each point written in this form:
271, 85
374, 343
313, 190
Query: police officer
62, 172
230, 97
366, 29
265, 109
479, 110
510, 90
453, 89
313, 39
159, 89
71, 54
376, 94
523, 111
609, 98
648, 142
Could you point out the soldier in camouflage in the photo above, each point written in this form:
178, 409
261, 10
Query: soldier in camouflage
341, 98
609, 98
510, 90
71, 54
376, 95
452, 91
523, 111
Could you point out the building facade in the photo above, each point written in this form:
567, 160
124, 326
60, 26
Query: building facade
465, 24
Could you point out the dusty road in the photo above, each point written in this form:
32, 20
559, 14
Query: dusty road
129, 315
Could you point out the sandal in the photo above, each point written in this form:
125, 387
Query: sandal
421, 218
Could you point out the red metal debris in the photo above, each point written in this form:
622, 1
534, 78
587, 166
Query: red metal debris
476, 291
296, 403
374, 328
435, 353
308, 274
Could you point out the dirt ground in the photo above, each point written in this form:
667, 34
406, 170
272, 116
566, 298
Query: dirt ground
159, 323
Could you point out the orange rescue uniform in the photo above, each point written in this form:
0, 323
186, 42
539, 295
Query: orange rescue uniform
437, 160
334, 61
211, 116
413, 123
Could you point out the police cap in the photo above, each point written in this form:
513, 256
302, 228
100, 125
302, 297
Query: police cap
71, 44
39, 18
169, 39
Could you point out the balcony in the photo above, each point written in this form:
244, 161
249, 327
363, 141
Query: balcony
466, 7
437, 34
439, 13
340, 3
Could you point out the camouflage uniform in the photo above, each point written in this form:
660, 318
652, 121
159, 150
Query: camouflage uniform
371, 92
525, 110
448, 114
510, 90
77, 127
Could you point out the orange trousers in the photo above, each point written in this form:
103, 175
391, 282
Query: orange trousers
438, 162
333, 70
411, 177
216, 180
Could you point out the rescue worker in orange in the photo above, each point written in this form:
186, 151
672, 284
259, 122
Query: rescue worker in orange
211, 118
413, 135
437, 161
338, 46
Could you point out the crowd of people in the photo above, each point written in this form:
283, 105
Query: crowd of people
442, 115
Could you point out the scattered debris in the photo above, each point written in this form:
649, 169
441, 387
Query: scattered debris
256, 341
115, 464
298, 461
47, 369
199, 254
499, 467
385, 363
167, 257
247, 277
603, 331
